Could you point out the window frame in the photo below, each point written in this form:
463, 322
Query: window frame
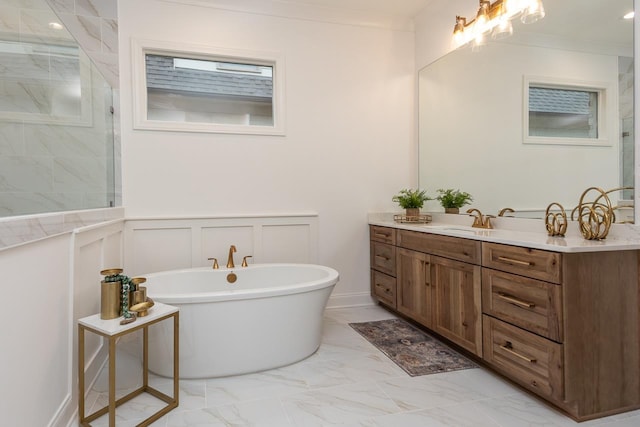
607, 101
140, 48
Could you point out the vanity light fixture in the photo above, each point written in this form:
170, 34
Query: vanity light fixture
495, 18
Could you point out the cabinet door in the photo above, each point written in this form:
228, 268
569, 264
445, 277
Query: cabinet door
457, 303
413, 285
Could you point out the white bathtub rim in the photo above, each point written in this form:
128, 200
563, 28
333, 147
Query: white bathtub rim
243, 294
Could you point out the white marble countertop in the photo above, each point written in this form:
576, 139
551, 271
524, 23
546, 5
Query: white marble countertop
528, 233
112, 326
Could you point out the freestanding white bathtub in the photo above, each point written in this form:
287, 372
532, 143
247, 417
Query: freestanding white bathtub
270, 317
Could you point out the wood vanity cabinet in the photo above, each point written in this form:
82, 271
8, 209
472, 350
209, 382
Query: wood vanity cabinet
456, 302
383, 264
438, 285
565, 326
414, 285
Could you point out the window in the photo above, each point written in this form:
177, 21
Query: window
210, 90
565, 113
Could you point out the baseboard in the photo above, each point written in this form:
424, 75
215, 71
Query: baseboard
352, 299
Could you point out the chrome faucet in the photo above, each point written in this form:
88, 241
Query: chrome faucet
480, 221
230, 263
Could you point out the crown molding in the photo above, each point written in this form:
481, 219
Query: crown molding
308, 12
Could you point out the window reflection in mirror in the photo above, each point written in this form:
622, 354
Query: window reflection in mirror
563, 112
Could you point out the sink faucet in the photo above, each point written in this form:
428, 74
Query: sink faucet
230, 263
480, 221
504, 211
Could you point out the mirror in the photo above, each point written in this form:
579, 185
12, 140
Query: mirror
56, 125
471, 113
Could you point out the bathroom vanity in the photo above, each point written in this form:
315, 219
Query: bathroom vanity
558, 316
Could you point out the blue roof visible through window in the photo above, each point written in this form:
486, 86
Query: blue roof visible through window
547, 100
162, 75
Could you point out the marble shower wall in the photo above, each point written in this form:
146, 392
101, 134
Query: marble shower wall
47, 166
625, 85
94, 25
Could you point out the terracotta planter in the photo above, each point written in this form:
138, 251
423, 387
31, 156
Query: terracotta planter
413, 211
452, 210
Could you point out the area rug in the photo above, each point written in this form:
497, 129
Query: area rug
415, 351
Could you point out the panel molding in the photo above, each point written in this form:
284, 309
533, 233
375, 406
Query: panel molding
109, 248
201, 226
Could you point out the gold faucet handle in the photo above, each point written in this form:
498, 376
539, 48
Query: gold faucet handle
215, 263
244, 261
487, 221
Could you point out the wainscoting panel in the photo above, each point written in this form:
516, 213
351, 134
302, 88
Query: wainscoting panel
159, 244
158, 249
35, 340
94, 249
286, 242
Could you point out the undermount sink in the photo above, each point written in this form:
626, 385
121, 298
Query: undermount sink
456, 228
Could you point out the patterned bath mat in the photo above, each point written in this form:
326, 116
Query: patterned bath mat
416, 352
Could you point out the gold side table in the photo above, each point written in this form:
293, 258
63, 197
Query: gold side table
112, 330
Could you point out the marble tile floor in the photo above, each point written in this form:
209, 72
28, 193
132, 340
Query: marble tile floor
347, 382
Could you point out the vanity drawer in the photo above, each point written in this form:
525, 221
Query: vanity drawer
383, 258
542, 265
531, 304
528, 359
457, 248
383, 287
382, 234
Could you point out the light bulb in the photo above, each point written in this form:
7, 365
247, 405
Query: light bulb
503, 29
533, 12
483, 16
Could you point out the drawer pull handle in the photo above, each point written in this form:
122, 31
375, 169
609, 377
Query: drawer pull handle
508, 347
383, 235
383, 257
515, 301
515, 261
386, 290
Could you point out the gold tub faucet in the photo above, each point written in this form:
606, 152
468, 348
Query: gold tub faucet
230, 263
215, 263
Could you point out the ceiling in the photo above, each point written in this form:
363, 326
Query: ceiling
402, 8
587, 20
597, 20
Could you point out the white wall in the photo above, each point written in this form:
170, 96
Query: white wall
47, 286
349, 141
434, 28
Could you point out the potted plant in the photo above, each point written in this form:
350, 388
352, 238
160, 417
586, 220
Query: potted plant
411, 200
452, 200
